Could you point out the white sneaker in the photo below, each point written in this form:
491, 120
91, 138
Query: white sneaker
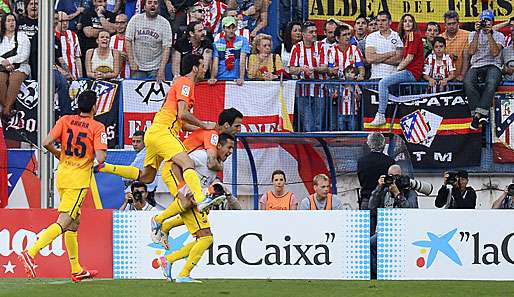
379, 120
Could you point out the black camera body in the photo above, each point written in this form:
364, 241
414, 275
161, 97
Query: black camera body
401, 181
138, 196
452, 177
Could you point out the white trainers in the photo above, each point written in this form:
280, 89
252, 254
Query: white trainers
156, 234
379, 120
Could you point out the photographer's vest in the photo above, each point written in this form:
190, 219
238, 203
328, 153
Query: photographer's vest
328, 206
278, 203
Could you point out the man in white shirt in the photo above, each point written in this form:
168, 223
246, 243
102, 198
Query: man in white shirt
383, 48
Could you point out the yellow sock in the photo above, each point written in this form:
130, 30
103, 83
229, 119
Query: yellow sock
45, 239
172, 223
173, 209
72, 246
202, 244
180, 253
192, 180
128, 172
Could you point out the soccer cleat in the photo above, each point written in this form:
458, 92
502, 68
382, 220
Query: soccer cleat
379, 120
475, 122
187, 279
28, 264
156, 230
164, 241
85, 274
209, 201
165, 267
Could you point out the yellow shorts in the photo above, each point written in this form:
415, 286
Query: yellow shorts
195, 220
71, 201
161, 145
169, 178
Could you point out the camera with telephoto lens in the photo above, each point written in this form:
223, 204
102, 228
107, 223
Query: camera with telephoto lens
404, 182
483, 23
452, 177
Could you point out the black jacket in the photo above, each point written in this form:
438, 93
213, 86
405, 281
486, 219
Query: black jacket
466, 200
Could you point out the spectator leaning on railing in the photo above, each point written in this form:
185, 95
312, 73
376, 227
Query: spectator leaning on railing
409, 69
485, 47
102, 62
229, 55
439, 69
149, 42
456, 43
14, 62
262, 63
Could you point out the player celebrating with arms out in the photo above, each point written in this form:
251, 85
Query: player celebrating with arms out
82, 140
196, 222
161, 139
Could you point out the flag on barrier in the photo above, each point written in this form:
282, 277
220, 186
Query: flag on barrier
501, 125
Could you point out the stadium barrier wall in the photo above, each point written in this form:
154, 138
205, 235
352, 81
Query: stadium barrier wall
19, 228
253, 245
457, 245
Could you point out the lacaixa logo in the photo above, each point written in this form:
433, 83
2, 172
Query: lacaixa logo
436, 245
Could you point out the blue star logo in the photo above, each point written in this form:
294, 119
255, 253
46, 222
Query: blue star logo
175, 243
438, 244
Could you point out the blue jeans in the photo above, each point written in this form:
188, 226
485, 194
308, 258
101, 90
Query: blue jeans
310, 110
481, 103
140, 74
386, 82
63, 95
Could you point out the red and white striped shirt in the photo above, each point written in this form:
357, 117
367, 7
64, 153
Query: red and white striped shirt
348, 104
140, 7
312, 56
508, 40
328, 50
214, 11
344, 58
70, 51
438, 70
119, 43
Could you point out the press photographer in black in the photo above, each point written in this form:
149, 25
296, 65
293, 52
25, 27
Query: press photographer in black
461, 197
136, 199
505, 201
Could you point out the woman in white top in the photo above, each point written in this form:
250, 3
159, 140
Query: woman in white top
102, 62
292, 35
14, 61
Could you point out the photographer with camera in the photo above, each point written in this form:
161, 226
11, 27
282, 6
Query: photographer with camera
461, 197
485, 47
394, 190
505, 201
136, 198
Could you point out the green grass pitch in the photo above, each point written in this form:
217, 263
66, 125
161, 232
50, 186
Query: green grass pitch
251, 288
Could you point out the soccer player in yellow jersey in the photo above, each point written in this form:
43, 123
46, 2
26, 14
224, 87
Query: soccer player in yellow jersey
162, 142
82, 140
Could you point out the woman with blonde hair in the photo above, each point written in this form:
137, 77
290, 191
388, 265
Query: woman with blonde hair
263, 64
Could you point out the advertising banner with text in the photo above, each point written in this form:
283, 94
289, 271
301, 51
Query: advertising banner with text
445, 244
253, 245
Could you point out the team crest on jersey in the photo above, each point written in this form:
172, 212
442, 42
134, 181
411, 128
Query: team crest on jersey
420, 127
186, 90
214, 139
103, 137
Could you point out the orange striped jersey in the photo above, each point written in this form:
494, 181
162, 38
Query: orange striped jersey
201, 139
183, 89
80, 137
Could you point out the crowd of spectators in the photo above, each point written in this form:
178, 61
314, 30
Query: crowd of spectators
106, 39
